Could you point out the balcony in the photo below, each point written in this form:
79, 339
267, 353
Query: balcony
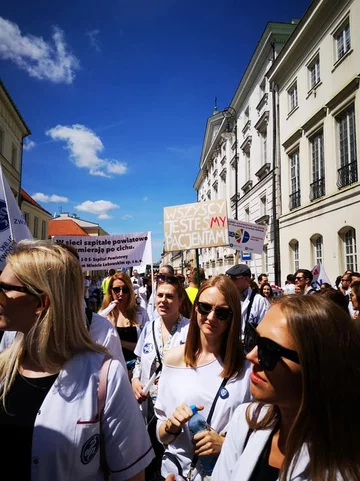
317, 189
347, 175
263, 171
295, 200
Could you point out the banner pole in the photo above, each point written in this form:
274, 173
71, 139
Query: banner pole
197, 267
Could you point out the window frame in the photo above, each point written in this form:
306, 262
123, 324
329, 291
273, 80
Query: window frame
315, 79
349, 243
342, 34
293, 100
36, 226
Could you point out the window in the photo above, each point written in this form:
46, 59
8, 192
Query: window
1, 141
294, 180
347, 174
265, 259
294, 246
27, 218
318, 250
314, 72
43, 230
36, 227
317, 188
263, 206
264, 147
262, 87
342, 40
293, 97
14, 156
350, 250
247, 214
247, 166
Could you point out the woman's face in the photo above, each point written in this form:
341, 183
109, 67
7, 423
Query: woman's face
298, 290
283, 385
18, 310
123, 294
167, 301
354, 300
209, 324
266, 291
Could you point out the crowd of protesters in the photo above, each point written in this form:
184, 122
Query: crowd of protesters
100, 382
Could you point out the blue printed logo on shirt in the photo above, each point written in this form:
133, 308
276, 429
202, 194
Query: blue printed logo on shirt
90, 448
224, 393
148, 347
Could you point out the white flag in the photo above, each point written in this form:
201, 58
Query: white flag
319, 276
13, 227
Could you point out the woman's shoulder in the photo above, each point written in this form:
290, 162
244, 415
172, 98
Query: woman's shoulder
175, 356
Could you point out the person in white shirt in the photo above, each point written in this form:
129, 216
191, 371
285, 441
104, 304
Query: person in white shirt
49, 378
211, 360
303, 423
253, 305
136, 279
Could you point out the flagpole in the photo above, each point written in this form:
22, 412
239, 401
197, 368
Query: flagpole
7, 205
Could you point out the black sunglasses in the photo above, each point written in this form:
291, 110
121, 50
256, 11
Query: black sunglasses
124, 290
168, 279
269, 352
222, 313
9, 287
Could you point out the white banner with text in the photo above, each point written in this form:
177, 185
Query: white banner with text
244, 236
111, 252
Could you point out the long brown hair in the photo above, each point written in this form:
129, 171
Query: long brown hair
131, 308
328, 345
231, 351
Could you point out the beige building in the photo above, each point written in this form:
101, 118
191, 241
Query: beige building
317, 80
237, 159
36, 217
13, 130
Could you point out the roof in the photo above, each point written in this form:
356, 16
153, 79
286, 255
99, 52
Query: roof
80, 222
25, 196
28, 131
65, 227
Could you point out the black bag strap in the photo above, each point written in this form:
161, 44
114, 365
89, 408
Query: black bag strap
252, 297
158, 370
208, 420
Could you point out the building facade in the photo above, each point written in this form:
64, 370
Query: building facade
13, 130
316, 80
65, 223
238, 156
36, 217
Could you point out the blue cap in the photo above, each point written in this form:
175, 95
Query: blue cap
193, 408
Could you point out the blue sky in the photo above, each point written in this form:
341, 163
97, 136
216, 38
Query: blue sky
117, 95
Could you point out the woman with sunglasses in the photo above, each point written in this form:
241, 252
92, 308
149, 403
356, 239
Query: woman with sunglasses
51, 423
303, 424
119, 306
210, 363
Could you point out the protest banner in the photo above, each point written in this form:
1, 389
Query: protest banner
13, 226
113, 251
191, 226
244, 236
319, 276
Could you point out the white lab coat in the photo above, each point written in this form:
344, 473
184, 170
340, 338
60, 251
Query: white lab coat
237, 464
66, 442
101, 331
258, 309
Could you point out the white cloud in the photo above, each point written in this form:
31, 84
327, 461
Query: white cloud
126, 217
84, 146
145, 199
40, 59
40, 197
29, 144
101, 208
93, 38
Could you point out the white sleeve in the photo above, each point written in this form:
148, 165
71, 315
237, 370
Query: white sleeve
233, 446
7, 339
113, 345
127, 444
263, 307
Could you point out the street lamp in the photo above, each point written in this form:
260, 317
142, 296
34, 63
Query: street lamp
230, 115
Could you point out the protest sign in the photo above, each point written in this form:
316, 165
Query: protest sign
13, 226
319, 276
244, 236
191, 226
106, 252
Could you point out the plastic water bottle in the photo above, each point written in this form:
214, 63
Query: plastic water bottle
197, 423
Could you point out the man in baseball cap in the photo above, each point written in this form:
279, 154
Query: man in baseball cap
253, 305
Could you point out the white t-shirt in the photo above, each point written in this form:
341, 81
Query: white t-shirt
198, 386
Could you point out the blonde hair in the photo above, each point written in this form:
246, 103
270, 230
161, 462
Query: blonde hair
327, 341
131, 308
59, 331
